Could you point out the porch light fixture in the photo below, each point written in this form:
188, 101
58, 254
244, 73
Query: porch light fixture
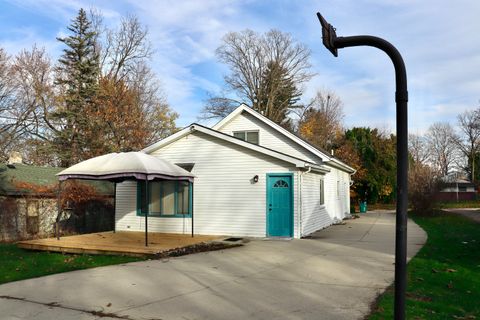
255, 178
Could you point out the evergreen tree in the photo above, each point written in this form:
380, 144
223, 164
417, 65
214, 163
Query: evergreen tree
278, 95
77, 75
377, 155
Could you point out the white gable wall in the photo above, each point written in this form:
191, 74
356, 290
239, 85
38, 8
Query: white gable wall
226, 202
268, 137
314, 216
337, 193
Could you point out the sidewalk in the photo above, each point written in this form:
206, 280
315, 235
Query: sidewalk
335, 274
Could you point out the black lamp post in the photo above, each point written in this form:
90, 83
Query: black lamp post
332, 43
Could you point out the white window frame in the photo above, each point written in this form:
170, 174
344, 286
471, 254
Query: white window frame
246, 132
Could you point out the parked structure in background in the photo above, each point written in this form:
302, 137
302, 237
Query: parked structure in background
252, 178
29, 207
457, 188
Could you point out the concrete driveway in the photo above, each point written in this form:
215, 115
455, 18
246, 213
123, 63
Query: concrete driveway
335, 274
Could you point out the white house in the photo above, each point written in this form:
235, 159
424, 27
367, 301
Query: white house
252, 178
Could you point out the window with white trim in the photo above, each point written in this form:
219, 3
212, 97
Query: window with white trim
249, 136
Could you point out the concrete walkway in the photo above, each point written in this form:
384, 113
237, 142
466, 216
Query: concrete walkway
335, 274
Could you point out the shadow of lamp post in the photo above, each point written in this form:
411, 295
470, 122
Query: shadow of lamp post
333, 43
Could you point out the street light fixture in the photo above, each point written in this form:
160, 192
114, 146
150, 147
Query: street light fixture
333, 43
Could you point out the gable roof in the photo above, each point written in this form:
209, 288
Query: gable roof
326, 158
299, 163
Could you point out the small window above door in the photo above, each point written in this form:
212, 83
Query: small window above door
249, 136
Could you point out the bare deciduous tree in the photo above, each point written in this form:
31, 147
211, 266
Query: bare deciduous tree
418, 148
468, 140
442, 143
266, 73
7, 120
320, 122
31, 98
124, 49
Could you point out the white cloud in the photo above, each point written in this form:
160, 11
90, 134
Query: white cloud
436, 39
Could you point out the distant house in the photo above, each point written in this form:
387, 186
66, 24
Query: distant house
27, 212
457, 188
252, 178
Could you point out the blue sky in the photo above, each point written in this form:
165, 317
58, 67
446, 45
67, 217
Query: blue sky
438, 39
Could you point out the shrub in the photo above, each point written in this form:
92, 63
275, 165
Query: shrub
423, 184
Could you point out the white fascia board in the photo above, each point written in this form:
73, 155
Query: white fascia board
340, 165
157, 145
230, 116
319, 169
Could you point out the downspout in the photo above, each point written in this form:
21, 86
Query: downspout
300, 204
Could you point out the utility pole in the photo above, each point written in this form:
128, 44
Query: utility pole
333, 43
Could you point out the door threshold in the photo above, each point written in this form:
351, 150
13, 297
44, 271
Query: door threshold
278, 238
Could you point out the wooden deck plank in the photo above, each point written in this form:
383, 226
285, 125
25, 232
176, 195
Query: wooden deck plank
125, 242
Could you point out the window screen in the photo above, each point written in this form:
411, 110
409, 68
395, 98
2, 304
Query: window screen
239, 135
183, 197
252, 137
168, 197
322, 192
249, 136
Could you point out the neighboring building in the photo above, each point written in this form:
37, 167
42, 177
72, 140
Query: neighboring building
252, 178
25, 212
457, 188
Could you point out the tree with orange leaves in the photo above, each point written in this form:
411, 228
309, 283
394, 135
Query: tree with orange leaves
320, 122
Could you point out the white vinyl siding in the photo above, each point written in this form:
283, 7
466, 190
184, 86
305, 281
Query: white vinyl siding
226, 201
314, 214
268, 137
337, 193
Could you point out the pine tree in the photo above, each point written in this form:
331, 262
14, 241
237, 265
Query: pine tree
278, 95
77, 76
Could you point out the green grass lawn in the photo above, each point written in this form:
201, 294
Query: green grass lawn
444, 277
19, 264
460, 204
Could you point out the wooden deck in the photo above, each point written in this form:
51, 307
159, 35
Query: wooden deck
119, 243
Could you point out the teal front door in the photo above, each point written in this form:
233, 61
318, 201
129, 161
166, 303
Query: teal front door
279, 205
